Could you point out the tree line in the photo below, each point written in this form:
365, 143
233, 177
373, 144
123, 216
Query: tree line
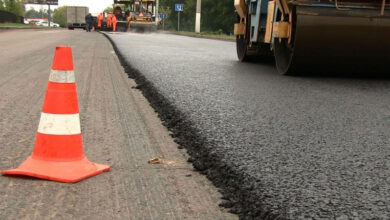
217, 16
14, 6
32, 13
58, 15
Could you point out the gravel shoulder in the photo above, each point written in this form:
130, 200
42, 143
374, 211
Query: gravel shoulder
119, 128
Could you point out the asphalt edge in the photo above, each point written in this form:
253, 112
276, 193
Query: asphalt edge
237, 197
195, 35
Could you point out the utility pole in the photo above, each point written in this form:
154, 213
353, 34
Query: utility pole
198, 11
156, 13
49, 14
178, 21
178, 8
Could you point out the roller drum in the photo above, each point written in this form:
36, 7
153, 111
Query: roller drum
327, 40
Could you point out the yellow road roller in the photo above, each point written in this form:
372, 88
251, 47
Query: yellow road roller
135, 15
306, 36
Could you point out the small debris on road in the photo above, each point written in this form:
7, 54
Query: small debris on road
155, 160
158, 160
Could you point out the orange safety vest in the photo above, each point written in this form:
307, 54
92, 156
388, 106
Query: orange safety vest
100, 19
113, 20
109, 20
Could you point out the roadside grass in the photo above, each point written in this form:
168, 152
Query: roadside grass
19, 25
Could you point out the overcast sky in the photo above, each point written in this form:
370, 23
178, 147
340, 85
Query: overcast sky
95, 6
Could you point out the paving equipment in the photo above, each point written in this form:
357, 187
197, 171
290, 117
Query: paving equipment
135, 15
329, 36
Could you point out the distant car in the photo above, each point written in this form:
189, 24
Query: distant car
43, 23
46, 24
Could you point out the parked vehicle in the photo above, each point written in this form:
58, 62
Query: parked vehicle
75, 17
46, 24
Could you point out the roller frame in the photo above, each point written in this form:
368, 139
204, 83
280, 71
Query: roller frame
279, 16
283, 7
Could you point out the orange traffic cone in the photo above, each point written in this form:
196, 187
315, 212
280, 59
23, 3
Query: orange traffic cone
58, 151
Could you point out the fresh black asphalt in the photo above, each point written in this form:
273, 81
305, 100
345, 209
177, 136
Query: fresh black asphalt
314, 146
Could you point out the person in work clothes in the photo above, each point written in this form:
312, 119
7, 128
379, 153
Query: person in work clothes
113, 21
109, 20
100, 19
88, 22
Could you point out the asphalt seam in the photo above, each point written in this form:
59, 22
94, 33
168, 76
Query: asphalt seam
195, 35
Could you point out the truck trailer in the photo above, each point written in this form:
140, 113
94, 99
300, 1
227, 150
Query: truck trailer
75, 17
327, 36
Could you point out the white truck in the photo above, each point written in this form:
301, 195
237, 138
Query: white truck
75, 17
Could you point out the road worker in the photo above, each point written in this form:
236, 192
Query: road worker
109, 20
89, 22
118, 13
100, 19
113, 21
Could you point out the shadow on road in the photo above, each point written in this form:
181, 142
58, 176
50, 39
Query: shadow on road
266, 61
323, 72
345, 75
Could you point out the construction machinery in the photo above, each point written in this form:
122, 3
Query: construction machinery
304, 36
135, 15
75, 17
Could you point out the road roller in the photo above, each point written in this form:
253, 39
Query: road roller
135, 15
315, 36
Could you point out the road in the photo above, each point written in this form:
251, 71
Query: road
119, 128
314, 146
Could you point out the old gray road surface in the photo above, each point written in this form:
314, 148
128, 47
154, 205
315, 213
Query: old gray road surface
298, 147
118, 126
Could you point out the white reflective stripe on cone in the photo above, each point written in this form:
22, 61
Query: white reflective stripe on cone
62, 76
59, 124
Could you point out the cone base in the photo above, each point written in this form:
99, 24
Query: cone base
68, 172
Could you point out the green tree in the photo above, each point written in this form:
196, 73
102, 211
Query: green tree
108, 9
217, 16
168, 7
31, 13
43, 13
59, 16
1, 5
14, 6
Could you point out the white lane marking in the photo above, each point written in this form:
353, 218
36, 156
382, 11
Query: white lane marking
62, 76
59, 124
